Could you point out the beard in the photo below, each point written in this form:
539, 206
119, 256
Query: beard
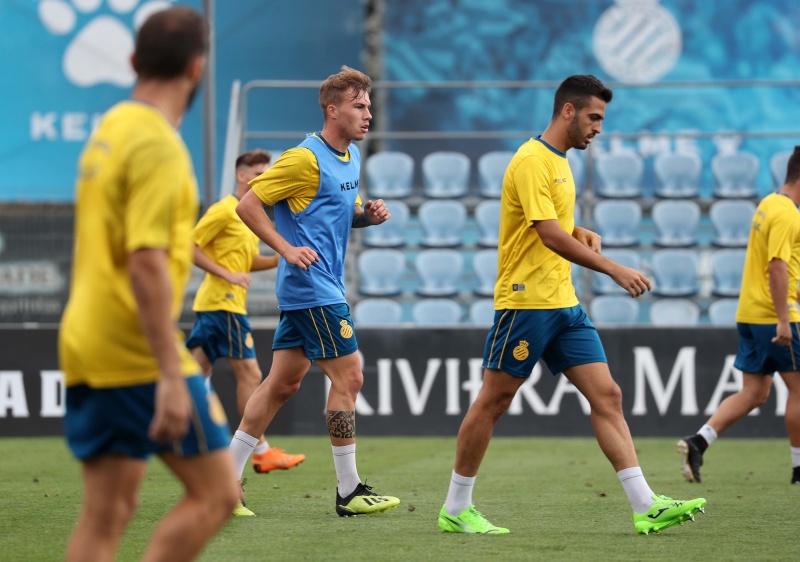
576, 137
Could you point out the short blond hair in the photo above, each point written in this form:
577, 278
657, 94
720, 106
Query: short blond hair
334, 88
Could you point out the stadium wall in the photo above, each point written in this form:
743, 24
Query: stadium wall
421, 382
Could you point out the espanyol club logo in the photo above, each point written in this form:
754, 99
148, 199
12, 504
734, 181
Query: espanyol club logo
637, 41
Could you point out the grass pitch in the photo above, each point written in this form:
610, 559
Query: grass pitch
560, 498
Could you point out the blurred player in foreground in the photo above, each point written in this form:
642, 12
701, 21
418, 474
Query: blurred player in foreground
767, 319
133, 389
227, 250
537, 315
314, 190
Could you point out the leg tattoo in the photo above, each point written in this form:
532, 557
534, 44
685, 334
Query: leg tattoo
341, 424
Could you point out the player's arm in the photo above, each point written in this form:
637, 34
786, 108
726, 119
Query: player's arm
260, 263
779, 288
251, 210
560, 242
372, 213
205, 263
152, 289
588, 238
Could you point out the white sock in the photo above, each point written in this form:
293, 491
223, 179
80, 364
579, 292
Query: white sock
795, 456
459, 495
639, 493
708, 433
344, 459
241, 446
261, 448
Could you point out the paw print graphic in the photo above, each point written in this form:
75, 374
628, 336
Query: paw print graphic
99, 52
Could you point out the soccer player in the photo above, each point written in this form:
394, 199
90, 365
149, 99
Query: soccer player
766, 319
314, 191
537, 314
227, 250
133, 389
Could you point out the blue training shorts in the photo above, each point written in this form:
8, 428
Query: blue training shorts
757, 353
115, 421
563, 337
222, 334
324, 332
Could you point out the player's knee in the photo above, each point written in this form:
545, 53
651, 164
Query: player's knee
284, 390
110, 517
351, 383
609, 399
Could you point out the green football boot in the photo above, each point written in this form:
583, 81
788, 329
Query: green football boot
468, 521
667, 512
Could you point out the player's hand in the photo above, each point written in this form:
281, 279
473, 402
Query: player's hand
239, 278
590, 239
301, 256
376, 212
631, 280
173, 410
783, 334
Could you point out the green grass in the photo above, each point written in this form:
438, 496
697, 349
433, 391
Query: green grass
559, 497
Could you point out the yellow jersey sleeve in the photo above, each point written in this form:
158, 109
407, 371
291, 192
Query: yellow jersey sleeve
294, 177
535, 197
210, 225
783, 233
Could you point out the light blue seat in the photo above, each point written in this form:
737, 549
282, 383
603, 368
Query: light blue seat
389, 174
674, 312
778, 164
578, 168
731, 220
487, 215
620, 174
437, 312
618, 222
735, 174
380, 272
726, 271
442, 223
392, 233
484, 264
613, 310
491, 169
603, 284
676, 223
675, 273
377, 312
481, 312
722, 312
678, 175
445, 174
439, 272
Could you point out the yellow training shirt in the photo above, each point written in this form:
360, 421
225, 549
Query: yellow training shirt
537, 186
774, 234
225, 239
136, 189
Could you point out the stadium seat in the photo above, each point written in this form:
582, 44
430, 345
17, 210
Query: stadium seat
442, 223
726, 271
603, 284
578, 168
735, 174
777, 166
445, 174
491, 169
392, 233
722, 312
731, 221
675, 273
389, 174
620, 174
678, 175
481, 312
484, 264
610, 310
439, 272
437, 312
380, 272
618, 222
676, 223
674, 312
487, 215
377, 312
